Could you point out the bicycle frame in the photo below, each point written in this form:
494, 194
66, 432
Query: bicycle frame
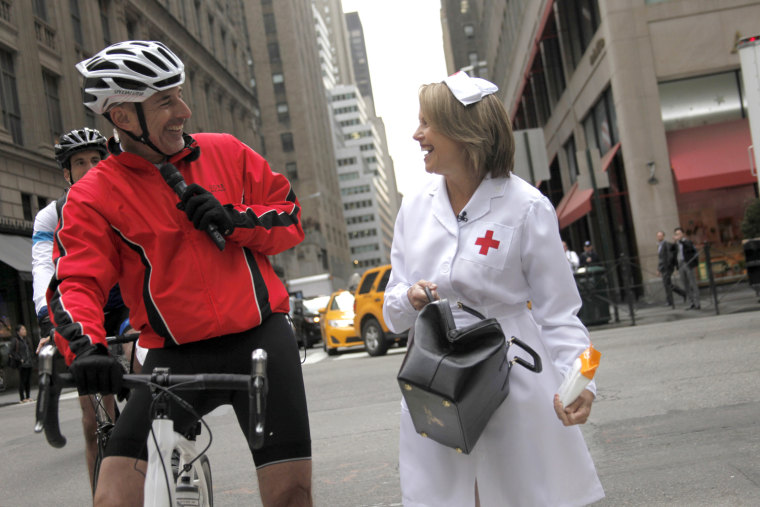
193, 486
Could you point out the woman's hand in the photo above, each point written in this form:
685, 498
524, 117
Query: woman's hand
41, 344
417, 296
577, 412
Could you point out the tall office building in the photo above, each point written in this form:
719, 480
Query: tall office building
40, 42
367, 181
366, 193
296, 133
648, 93
359, 58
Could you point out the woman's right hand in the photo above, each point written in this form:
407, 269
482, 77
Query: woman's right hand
417, 296
41, 344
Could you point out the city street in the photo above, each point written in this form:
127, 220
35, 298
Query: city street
676, 422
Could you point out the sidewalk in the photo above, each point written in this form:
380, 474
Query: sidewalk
731, 299
735, 298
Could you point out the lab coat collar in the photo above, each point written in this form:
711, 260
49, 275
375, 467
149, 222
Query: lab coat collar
478, 205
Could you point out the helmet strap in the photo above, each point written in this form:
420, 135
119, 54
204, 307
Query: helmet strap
145, 136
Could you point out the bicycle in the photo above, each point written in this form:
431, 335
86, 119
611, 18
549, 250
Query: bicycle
190, 483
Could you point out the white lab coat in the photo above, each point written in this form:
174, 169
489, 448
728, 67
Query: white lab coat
506, 253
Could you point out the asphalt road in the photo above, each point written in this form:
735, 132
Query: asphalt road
676, 422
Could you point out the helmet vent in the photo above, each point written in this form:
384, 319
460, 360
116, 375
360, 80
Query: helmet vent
168, 82
119, 51
139, 68
167, 55
128, 84
102, 65
155, 60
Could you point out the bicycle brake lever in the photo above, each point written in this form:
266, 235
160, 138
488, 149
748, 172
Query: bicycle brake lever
257, 394
45, 378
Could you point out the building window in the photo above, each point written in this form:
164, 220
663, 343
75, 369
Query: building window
104, 17
278, 80
347, 161
269, 26
53, 105
291, 171
132, 29
42, 202
76, 21
211, 41
223, 35
26, 205
572, 163
9, 97
360, 189
469, 31
39, 8
283, 113
287, 141
578, 21
274, 52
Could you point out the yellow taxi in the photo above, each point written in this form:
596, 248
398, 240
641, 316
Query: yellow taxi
368, 308
337, 322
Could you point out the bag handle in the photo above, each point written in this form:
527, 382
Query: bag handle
461, 305
536, 366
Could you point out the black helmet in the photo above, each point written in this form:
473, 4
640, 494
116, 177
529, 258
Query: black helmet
79, 140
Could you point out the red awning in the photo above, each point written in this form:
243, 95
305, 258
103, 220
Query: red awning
574, 205
711, 156
607, 158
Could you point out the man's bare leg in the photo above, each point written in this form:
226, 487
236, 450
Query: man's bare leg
286, 484
89, 427
120, 482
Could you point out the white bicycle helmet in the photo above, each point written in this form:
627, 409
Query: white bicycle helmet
129, 71
79, 140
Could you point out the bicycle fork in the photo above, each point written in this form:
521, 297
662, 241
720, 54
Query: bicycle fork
159, 479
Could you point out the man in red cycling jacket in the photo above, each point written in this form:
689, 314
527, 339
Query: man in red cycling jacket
199, 309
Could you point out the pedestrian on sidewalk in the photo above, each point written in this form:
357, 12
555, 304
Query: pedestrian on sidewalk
666, 265
572, 257
21, 358
688, 259
589, 257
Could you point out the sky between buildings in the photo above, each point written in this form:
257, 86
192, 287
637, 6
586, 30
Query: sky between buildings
405, 50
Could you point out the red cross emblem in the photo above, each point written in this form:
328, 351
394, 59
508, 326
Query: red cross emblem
487, 242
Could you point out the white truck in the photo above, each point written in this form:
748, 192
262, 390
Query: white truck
307, 296
310, 286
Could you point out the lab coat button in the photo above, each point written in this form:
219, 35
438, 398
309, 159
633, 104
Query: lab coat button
445, 267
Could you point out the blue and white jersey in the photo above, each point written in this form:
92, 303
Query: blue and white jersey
42, 253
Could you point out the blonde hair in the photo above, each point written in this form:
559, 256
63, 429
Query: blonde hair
483, 128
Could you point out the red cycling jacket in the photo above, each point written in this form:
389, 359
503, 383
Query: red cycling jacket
120, 224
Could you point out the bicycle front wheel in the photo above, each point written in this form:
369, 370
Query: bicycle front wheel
209, 491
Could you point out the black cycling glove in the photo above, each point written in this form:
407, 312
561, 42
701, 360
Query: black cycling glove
202, 208
95, 371
45, 325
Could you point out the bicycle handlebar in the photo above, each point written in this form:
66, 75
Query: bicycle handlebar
256, 384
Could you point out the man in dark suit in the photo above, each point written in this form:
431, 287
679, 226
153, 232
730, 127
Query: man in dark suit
589, 256
688, 259
666, 264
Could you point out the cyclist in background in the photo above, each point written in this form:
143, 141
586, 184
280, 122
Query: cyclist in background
198, 308
76, 153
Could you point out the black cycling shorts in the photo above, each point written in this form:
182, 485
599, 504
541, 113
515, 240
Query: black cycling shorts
287, 420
